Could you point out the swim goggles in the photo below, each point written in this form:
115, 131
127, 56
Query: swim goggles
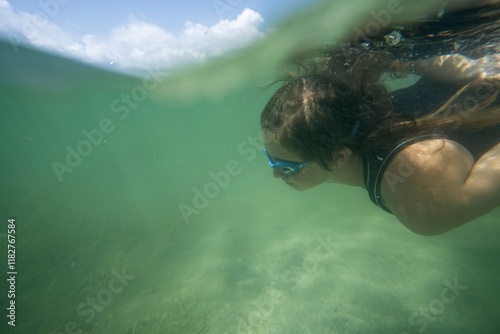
287, 167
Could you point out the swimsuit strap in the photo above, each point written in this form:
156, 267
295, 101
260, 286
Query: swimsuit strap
375, 164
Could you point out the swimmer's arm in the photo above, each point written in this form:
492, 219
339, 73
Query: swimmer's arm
433, 188
458, 68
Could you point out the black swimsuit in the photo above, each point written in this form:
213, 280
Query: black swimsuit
423, 94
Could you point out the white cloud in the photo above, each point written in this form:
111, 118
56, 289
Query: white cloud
34, 29
4, 4
136, 44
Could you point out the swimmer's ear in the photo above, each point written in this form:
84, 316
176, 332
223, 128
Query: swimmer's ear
340, 157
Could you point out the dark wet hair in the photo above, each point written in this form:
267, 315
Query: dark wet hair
315, 116
344, 104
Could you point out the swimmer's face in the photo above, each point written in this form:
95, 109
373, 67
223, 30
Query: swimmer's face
307, 177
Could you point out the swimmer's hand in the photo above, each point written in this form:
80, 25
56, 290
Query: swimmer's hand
458, 68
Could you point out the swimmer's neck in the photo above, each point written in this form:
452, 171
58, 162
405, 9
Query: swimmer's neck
349, 173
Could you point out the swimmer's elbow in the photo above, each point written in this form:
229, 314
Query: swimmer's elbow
444, 220
432, 225
425, 231
435, 217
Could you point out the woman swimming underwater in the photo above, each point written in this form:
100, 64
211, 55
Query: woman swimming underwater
428, 153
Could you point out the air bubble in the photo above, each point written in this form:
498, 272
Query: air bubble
441, 13
393, 38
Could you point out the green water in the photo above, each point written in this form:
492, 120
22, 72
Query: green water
167, 218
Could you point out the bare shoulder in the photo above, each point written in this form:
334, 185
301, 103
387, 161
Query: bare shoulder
433, 157
422, 184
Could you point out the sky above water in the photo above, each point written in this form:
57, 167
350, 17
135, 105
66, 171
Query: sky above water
141, 34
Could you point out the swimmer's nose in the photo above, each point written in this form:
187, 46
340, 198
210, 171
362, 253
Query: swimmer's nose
277, 173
